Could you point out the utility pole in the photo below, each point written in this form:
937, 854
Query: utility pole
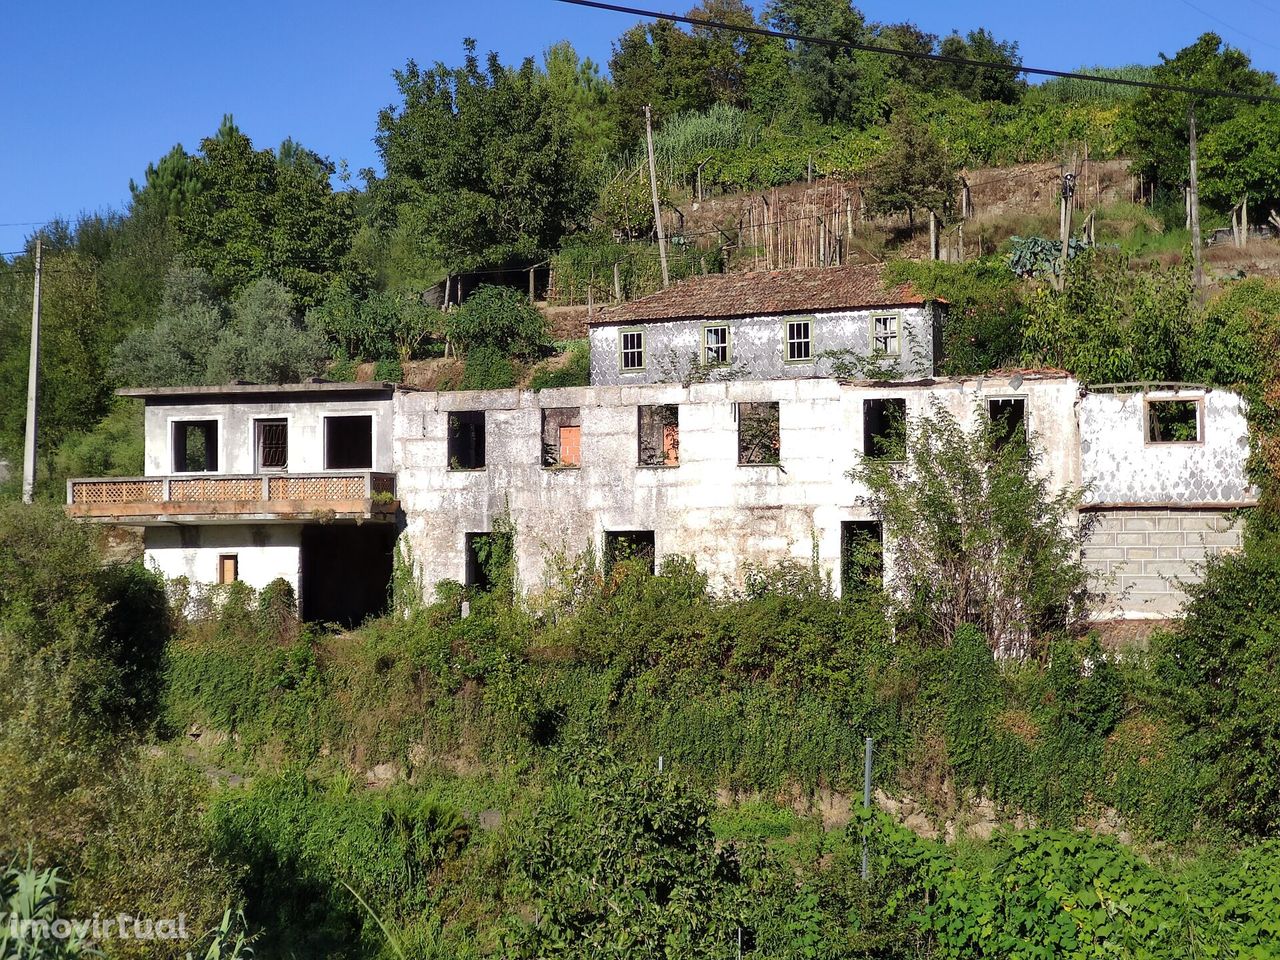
867, 750
653, 187
1068, 191
33, 390
1195, 200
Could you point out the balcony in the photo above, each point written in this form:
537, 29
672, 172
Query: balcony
254, 498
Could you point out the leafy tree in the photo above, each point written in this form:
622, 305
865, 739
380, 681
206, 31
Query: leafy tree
979, 535
661, 66
1160, 128
499, 317
479, 163
383, 326
835, 80
198, 340
624, 864
979, 83
255, 216
265, 342
1242, 156
914, 172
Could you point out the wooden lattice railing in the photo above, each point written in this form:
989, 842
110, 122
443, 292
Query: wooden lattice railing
256, 488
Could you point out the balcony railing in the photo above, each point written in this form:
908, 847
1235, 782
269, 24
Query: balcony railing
363, 493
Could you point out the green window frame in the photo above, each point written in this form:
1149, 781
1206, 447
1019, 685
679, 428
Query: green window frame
631, 355
886, 334
716, 354
797, 336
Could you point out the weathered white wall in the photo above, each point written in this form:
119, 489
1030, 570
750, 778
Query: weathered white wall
723, 515
758, 345
264, 551
1120, 467
236, 433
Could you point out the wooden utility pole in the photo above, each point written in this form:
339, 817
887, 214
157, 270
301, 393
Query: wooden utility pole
33, 390
1197, 267
653, 188
1068, 191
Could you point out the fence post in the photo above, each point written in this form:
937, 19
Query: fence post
866, 799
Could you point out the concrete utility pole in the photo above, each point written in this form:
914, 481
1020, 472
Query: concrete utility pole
33, 390
653, 187
1195, 200
1068, 191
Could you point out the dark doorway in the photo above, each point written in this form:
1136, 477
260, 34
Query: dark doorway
490, 560
466, 440
861, 556
348, 443
629, 546
346, 571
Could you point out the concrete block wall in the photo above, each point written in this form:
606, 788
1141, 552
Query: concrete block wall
1143, 558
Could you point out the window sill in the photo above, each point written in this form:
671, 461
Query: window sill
468, 469
561, 467
777, 465
657, 466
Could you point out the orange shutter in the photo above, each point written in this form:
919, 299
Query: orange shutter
671, 444
571, 446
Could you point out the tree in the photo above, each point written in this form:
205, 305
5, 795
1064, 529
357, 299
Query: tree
383, 326
198, 340
169, 185
978, 535
499, 317
978, 83
581, 94
660, 66
914, 172
1160, 119
479, 164
255, 216
1240, 157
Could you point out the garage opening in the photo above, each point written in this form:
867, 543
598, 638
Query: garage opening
861, 556
658, 432
884, 428
634, 547
490, 561
1008, 417
195, 446
348, 443
562, 437
466, 440
346, 572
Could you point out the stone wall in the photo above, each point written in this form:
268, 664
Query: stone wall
1143, 558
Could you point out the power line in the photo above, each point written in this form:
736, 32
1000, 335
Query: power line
1233, 29
920, 55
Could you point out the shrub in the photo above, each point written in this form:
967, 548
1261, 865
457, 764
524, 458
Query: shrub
501, 318
574, 372
488, 368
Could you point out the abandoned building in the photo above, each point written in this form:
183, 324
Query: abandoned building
818, 321
317, 482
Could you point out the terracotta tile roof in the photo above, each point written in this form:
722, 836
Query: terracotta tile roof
806, 290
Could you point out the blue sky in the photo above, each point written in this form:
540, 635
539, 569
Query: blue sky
94, 91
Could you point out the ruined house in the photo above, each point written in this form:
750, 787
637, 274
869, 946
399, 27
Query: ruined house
318, 482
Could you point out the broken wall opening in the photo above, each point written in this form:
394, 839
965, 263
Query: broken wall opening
658, 433
195, 446
884, 428
861, 556
759, 433
1008, 416
490, 560
1174, 421
348, 443
561, 437
466, 440
345, 575
635, 547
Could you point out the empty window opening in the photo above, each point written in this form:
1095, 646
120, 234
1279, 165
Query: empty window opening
759, 433
466, 440
884, 428
884, 335
228, 568
348, 443
195, 446
799, 344
658, 435
1008, 417
271, 444
631, 349
633, 547
561, 437
715, 345
1173, 421
490, 561
861, 556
